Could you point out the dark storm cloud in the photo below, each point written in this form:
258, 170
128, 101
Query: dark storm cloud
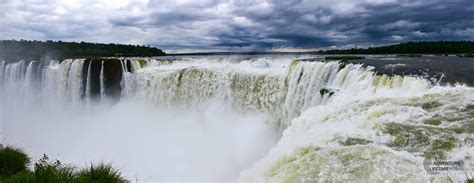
239, 25
299, 40
369, 23
426, 21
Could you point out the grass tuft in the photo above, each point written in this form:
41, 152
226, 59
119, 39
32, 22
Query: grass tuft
100, 173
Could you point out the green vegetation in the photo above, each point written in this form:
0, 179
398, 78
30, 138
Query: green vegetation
411, 55
13, 50
99, 173
342, 57
21, 177
14, 163
46, 171
413, 48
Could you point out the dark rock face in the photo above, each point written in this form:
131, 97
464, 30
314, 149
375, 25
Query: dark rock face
112, 76
342, 64
329, 91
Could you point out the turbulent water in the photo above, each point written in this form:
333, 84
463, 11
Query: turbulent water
260, 119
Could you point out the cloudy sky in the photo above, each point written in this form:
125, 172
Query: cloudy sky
238, 25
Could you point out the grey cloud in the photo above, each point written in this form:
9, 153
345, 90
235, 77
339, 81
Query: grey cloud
239, 25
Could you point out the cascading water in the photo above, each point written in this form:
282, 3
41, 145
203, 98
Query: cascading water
102, 83
88, 83
335, 122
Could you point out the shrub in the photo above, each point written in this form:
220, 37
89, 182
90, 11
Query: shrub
99, 173
12, 161
46, 171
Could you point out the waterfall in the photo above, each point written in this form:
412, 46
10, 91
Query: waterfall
2, 88
102, 83
2, 65
301, 86
14, 77
285, 92
89, 82
324, 111
125, 83
29, 85
29, 73
75, 81
63, 77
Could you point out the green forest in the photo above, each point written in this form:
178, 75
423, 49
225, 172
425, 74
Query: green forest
36, 50
14, 50
433, 47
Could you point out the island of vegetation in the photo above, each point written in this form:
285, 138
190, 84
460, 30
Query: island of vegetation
344, 57
13, 50
434, 47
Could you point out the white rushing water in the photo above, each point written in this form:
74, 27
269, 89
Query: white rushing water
255, 119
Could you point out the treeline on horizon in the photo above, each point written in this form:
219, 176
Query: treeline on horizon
424, 47
14, 50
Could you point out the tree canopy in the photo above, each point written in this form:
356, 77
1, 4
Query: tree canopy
36, 50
